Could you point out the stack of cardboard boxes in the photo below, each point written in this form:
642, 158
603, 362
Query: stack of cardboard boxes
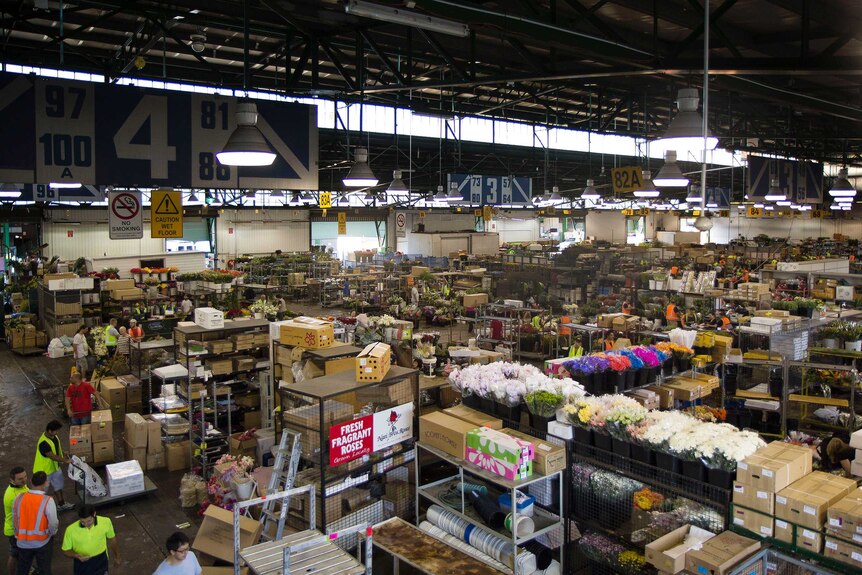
102, 436
843, 541
25, 335
695, 550
143, 442
132, 387
123, 289
114, 397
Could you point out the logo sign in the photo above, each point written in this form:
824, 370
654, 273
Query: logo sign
125, 216
351, 440
802, 180
626, 179
754, 212
392, 426
324, 200
342, 223
493, 190
167, 214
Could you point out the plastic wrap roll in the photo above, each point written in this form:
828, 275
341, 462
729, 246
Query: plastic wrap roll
523, 526
488, 510
468, 549
484, 541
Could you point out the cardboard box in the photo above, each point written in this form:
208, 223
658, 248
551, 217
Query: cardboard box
373, 362
154, 437
837, 548
124, 478
846, 514
155, 460
473, 416
665, 396
101, 426
215, 535
113, 285
607, 320
418, 270
808, 539
549, 457
306, 332
685, 390
251, 419
756, 499
475, 299
244, 447
390, 394
80, 442
209, 318
805, 501
138, 454
719, 554
177, 455
338, 365
133, 388
775, 466
758, 523
444, 432
219, 366
127, 294
103, 451
667, 553
136, 430
113, 392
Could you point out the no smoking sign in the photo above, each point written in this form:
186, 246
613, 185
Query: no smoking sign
125, 216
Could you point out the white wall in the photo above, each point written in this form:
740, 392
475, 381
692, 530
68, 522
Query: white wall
523, 227
241, 232
607, 225
725, 229
90, 236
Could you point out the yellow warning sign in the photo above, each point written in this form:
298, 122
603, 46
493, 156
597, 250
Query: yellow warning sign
342, 223
325, 200
167, 214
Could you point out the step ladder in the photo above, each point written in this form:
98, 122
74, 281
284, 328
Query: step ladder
282, 479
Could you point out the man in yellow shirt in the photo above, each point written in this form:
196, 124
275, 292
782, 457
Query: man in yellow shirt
87, 540
17, 486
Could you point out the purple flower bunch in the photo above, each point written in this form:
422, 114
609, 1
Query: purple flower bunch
647, 356
599, 547
637, 362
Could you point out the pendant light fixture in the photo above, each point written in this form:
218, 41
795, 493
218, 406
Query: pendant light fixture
647, 189
590, 192
276, 194
246, 146
397, 185
441, 195
555, 195
360, 174
783, 203
370, 195
454, 195
685, 131
193, 198
775, 193
64, 185
703, 223
843, 200
670, 175
693, 196
295, 199
841, 187
10, 191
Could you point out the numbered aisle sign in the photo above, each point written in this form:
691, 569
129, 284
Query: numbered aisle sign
324, 200
755, 212
65, 132
166, 211
627, 179
125, 215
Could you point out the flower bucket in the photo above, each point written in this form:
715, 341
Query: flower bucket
508, 412
667, 462
602, 441
682, 364
720, 478
471, 400
585, 379
620, 447
616, 379
694, 470
243, 486
599, 379
652, 374
642, 453
583, 439
667, 367
631, 378
258, 315
830, 343
643, 377
540, 423
486, 405
853, 345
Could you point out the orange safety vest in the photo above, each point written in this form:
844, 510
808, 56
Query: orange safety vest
609, 345
136, 332
627, 308
670, 313
565, 330
32, 525
724, 323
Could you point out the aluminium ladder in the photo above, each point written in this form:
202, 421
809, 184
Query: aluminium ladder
282, 479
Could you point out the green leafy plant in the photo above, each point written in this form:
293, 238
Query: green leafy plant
543, 403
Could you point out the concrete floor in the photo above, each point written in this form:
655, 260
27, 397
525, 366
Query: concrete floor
31, 391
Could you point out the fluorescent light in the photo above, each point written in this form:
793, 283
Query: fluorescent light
64, 185
843, 200
454, 195
775, 193
693, 196
670, 176
397, 184
360, 174
846, 207
711, 205
769, 208
9, 191
647, 189
406, 17
835, 207
276, 194
841, 187
246, 146
758, 206
783, 203
686, 129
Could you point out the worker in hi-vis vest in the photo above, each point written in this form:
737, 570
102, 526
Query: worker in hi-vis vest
35, 522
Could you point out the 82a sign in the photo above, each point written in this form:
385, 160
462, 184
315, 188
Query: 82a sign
626, 179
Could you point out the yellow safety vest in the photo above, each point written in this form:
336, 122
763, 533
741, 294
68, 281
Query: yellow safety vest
42, 463
110, 340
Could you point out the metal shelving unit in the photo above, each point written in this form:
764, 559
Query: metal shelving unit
546, 522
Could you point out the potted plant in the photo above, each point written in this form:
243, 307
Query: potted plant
830, 336
543, 406
851, 333
660, 281
262, 308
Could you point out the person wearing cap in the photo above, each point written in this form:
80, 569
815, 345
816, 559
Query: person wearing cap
87, 541
34, 521
136, 332
17, 486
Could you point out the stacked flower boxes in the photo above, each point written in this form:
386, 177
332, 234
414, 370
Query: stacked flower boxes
499, 453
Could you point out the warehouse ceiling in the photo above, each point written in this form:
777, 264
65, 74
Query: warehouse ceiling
784, 73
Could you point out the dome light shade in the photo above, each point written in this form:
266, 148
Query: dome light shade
454, 195
844, 200
647, 189
841, 187
397, 184
703, 223
246, 146
555, 195
590, 192
775, 193
686, 129
670, 176
276, 194
440, 196
360, 174
693, 196
783, 203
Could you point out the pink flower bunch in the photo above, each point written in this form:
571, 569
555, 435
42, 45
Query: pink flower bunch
619, 362
647, 356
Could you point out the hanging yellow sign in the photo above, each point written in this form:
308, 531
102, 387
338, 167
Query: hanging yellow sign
167, 214
486, 213
421, 215
325, 200
626, 178
754, 212
628, 212
477, 213
342, 223
818, 214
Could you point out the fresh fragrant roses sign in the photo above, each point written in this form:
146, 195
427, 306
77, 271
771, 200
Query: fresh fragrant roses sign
362, 436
